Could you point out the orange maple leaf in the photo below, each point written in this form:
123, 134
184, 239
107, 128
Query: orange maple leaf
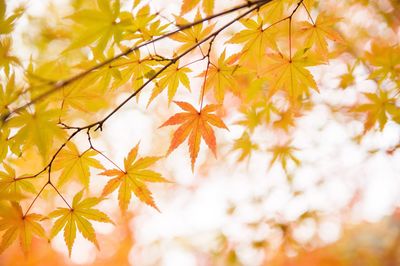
16, 224
195, 125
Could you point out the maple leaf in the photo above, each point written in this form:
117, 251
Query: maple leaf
283, 153
207, 6
195, 125
9, 183
289, 75
379, 107
78, 218
252, 118
8, 94
83, 99
4, 134
38, 128
7, 23
220, 78
75, 164
171, 78
385, 58
101, 25
142, 26
193, 35
102, 79
245, 146
18, 225
9, 197
347, 79
273, 11
268, 111
90, 93
287, 119
133, 179
317, 33
6, 58
133, 67
49, 71
255, 40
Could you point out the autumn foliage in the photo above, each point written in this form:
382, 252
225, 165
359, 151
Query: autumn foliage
255, 66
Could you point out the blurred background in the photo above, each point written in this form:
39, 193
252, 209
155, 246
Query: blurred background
339, 206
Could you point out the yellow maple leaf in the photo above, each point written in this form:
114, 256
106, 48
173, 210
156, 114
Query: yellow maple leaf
99, 25
9, 183
133, 179
83, 99
77, 217
379, 107
283, 153
38, 128
385, 58
102, 79
245, 146
143, 27
75, 164
171, 78
255, 40
8, 94
252, 118
274, 10
188, 5
7, 59
347, 79
289, 74
315, 35
133, 67
193, 35
7, 23
4, 134
287, 118
220, 77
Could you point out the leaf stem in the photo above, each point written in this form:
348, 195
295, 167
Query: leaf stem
34, 200
290, 28
308, 13
101, 153
58, 192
